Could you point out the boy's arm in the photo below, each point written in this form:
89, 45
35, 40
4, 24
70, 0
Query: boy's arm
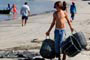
52, 25
70, 25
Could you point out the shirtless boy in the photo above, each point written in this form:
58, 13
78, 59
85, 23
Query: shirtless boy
59, 18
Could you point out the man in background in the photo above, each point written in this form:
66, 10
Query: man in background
25, 12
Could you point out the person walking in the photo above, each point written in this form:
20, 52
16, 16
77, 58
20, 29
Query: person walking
59, 18
73, 10
25, 12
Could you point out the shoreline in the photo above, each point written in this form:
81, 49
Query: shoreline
46, 12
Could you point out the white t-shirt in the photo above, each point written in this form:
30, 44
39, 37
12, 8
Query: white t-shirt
24, 10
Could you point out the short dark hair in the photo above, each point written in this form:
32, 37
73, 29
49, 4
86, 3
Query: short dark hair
57, 4
64, 3
73, 3
25, 3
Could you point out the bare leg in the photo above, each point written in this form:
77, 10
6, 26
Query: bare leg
22, 22
25, 22
64, 57
14, 15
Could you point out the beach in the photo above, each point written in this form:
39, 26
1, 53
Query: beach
14, 37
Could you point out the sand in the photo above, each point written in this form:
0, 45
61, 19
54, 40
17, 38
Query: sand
14, 36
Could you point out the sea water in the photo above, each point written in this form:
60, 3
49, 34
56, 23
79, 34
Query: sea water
36, 7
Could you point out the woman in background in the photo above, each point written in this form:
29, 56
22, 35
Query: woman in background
14, 10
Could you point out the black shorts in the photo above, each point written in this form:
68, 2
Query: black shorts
25, 17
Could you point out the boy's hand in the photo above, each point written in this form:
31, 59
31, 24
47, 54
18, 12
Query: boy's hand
47, 33
72, 29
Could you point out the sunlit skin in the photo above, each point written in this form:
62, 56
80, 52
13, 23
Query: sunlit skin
59, 18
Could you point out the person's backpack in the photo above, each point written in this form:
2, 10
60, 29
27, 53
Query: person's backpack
47, 49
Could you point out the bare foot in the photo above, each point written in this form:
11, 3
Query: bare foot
87, 49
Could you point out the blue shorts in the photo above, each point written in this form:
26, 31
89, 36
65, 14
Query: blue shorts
25, 17
59, 38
